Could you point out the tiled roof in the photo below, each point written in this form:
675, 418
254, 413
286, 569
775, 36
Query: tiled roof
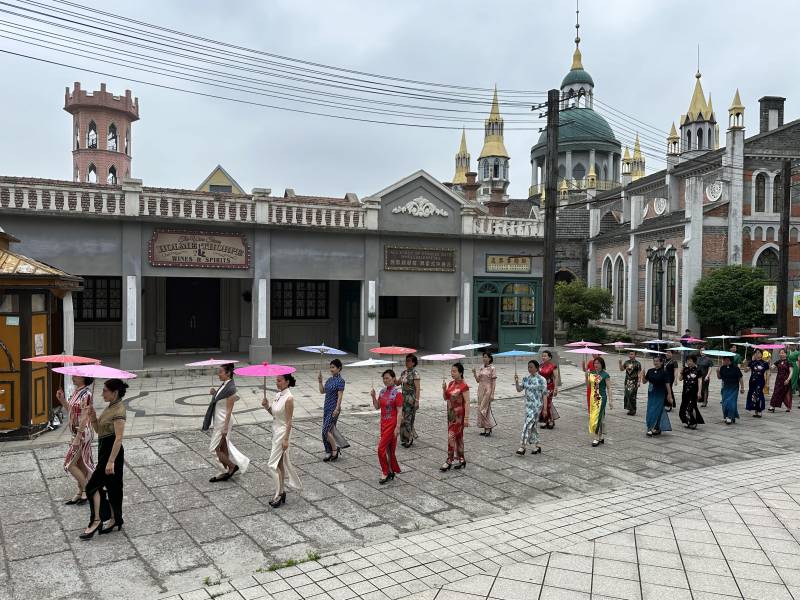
572, 222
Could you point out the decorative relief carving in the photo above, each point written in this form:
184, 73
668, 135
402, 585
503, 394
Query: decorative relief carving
420, 207
660, 205
714, 191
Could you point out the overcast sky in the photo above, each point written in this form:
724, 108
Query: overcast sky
642, 56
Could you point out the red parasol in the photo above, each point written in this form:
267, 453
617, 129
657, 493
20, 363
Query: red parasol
63, 359
754, 336
393, 350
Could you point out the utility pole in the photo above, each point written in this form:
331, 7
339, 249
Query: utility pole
550, 205
783, 264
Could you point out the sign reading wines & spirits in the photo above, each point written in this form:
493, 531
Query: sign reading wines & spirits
175, 248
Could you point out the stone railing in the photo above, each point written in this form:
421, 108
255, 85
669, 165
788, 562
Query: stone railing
508, 227
315, 216
202, 208
52, 198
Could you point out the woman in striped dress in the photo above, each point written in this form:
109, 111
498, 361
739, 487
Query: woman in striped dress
78, 461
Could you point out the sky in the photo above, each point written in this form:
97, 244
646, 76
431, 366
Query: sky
642, 56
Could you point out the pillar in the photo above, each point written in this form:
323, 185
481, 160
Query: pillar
131, 355
568, 165
161, 315
692, 251
632, 293
260, 349
369, 297
225, 315
68, 326
464, 308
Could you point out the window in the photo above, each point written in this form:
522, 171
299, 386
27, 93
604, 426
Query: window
91, 174
91, 136
608, 281
620, 268
699, 139
76, 174
653, 292
496, 169
562, 172
486, 169
688, 140
768, 263
708, 139
672, 290
517, 305
220, 189
578, 171
112, 176
777, 194
761, 192
100, 300
505, 169
388, 307
299, 299
77, 135
111, 140
128, 141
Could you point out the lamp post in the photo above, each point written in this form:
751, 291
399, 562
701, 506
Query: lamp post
659, 256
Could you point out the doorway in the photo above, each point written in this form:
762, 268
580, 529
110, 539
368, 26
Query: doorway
192, 313
349, 317
488, 311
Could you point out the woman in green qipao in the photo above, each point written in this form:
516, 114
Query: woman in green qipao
410, 387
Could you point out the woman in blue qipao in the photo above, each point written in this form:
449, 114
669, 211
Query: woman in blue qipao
657, 419
732, 386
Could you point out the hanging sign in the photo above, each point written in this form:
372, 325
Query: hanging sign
173, 248
398, 258
503, 263
796, 303
770, 299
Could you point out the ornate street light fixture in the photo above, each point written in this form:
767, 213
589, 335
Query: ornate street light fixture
659, 256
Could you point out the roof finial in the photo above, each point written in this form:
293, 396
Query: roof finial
577, 24
698, 62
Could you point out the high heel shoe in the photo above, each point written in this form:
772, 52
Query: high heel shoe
388, 477
277, 501
462, 464
335, 456
87, 535
76, 499
537, 451
116, 524
445, 467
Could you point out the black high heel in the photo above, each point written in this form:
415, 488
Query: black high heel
389, 477
445, 467
335, 456
537, 451
462, 464
87, 535
276, 502
116, 524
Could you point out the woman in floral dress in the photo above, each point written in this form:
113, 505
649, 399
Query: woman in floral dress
487, 380
78, 461
409, 383
456, 394
535, 388
598, 388
782, 393
549, 370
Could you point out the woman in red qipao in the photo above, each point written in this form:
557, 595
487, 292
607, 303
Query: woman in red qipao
456, 394
549, 371
390, 401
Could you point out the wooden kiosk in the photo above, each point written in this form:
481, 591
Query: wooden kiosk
29, 298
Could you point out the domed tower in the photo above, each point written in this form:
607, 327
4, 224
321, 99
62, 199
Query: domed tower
101, 134
589, 155
699, 132
493, 161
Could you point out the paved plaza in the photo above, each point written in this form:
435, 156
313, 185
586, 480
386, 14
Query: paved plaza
699, 514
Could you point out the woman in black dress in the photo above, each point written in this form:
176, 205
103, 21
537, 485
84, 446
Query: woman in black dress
689, 413
104, 488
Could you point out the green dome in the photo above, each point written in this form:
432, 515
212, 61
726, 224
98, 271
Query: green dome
581, 125
577, 76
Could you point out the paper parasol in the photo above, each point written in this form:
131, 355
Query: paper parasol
681, 349
784, 338
95, 371
587, 351
470, 347
691, 340
530, 345
212, 362
644, 350
440, 357
720, 353
515, 353
618, 344
264, 370
323, 349
658, 342
769, 346
582, 344
393, 350
63, 359
723, 337
755, 336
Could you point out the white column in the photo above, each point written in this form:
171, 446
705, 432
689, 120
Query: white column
68, 321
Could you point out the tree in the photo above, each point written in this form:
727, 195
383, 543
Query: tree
732, 298
577, 304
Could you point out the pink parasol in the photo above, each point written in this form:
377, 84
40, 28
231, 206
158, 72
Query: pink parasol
583, 344
393, 350
442, 358
769, 346
264, 370
587, 351
95, 371
63, 359
754, 336
691, 340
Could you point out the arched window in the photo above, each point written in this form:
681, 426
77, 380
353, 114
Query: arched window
605, 172
562, 172
608, 276
671, 298
496, 169
699, 139
688, 140
710, 145
76, 174
128, 141
77, 135
505, 170
111, 140
91, 136
777, 194
768, 263
578, 171
112, 176
517, 305
620, 299
761, 192
486, 169
91, 174
653, 272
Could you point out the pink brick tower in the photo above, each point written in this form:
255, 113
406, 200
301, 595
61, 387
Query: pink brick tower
101, 134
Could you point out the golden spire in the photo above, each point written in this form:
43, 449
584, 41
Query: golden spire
493, 132
577, 62
627, 155
462, 161
737, 102
710, 107
637, 151
697, 107
673, 134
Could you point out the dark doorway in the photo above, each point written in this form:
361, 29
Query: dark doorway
488, 311
192, 313
349, 317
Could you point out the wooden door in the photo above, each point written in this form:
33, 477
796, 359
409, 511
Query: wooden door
10, 377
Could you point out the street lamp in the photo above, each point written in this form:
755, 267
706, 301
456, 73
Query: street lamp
659, 256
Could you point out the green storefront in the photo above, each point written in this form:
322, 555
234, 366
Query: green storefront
507, 311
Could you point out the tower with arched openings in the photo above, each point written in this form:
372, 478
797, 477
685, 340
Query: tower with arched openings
101, 134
